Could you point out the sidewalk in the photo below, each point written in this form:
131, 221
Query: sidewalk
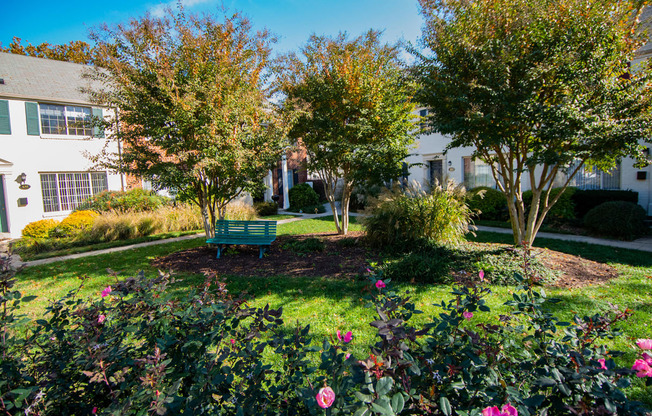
642, 244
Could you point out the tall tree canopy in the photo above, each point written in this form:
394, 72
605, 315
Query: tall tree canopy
538, 88
192, 101
354, 104
76, 51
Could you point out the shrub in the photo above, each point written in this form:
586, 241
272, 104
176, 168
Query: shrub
587, 199
487, 203
617, 219
310, 209
134, 200
40, 228
427, 264
302, 195
398, 217
564, 208
265, 209
74, 224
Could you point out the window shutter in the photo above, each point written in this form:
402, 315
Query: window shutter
98, 131
5, 124
31, 115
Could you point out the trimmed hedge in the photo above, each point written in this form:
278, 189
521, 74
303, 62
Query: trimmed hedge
586, 200
134, 200
74, 224
302, 195
265, 209
619, 219
40, 228
487, 203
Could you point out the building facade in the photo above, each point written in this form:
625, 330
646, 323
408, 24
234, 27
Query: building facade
46, 138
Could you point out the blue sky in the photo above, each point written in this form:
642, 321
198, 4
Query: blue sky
292, 21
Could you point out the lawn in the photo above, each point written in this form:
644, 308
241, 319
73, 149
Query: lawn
331, 304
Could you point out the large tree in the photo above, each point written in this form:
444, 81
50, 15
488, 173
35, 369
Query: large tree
192, 103
538, 88
354, 111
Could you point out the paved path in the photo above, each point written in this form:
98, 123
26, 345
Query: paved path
643, 244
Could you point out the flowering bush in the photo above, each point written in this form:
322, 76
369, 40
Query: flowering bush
134, 349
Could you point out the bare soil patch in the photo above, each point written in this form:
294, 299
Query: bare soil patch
346, 256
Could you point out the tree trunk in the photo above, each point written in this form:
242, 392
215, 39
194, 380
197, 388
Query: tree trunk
346, 198
209, 228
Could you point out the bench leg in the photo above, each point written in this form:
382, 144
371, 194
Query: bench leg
261, 250
219, 250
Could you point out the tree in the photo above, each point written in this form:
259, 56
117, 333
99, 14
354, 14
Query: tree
76, 51
539, 89
192, 105
355, 111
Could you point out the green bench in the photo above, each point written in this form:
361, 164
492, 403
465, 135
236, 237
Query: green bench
256, 233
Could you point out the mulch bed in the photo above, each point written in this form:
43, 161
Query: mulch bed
346, 259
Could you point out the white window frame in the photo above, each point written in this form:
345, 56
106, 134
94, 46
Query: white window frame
475, 163
70, 111
70, 189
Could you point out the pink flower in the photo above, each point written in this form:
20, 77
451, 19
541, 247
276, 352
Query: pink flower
347, 356
106, 292
232, 341
94, 410
481, 274
347, 337
101, 319
467, 315
603, 366
380, 284
368, 270
643, 368
644, 344
506, 410
325, 397
647, 358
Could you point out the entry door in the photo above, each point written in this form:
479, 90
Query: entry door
3, 207
436, 168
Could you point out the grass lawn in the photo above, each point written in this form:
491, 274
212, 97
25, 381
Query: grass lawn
278, 217
331, 304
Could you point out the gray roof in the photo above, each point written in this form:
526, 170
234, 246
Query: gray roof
30, 78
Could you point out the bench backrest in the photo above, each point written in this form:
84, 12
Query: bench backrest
238, 228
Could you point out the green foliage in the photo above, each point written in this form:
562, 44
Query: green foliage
425, 263
76, 223
587, 199
619, 219
354, 111
40, 228
265, 209
304, 246
487, 203
564, 208
135, 200
302, 195
196, 88
514, 80
406, 216
212, 353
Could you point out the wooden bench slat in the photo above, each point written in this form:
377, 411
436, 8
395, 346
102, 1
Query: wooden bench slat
260, 233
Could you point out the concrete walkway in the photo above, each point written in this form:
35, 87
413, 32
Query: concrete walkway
642, 244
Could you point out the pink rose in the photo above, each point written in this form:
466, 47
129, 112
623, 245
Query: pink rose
603, 366
380, 284
481, 274
647, 358
643, 368
644, 344
101, 319
106, 292
507, 410
325, 397
467, 315
232, 341
94, 410
347, 337
347, 356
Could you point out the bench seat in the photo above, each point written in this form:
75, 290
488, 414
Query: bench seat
238, 232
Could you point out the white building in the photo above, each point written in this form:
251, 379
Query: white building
44, 142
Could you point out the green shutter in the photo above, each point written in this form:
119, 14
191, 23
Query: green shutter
98, 131
31, 115
5, 124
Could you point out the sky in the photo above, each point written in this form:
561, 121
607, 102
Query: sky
292, 21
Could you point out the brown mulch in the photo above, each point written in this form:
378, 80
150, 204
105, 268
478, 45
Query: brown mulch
346, 259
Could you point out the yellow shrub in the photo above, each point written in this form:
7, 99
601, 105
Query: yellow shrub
40, 228
75, 223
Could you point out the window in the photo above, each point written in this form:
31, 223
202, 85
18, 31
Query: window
436, 171
66, 191
594, 178
477, 173
66, 120
423, 114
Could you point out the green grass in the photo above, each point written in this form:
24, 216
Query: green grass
331, 304
314, 225
279, 217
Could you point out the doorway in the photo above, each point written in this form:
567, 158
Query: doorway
4, 228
